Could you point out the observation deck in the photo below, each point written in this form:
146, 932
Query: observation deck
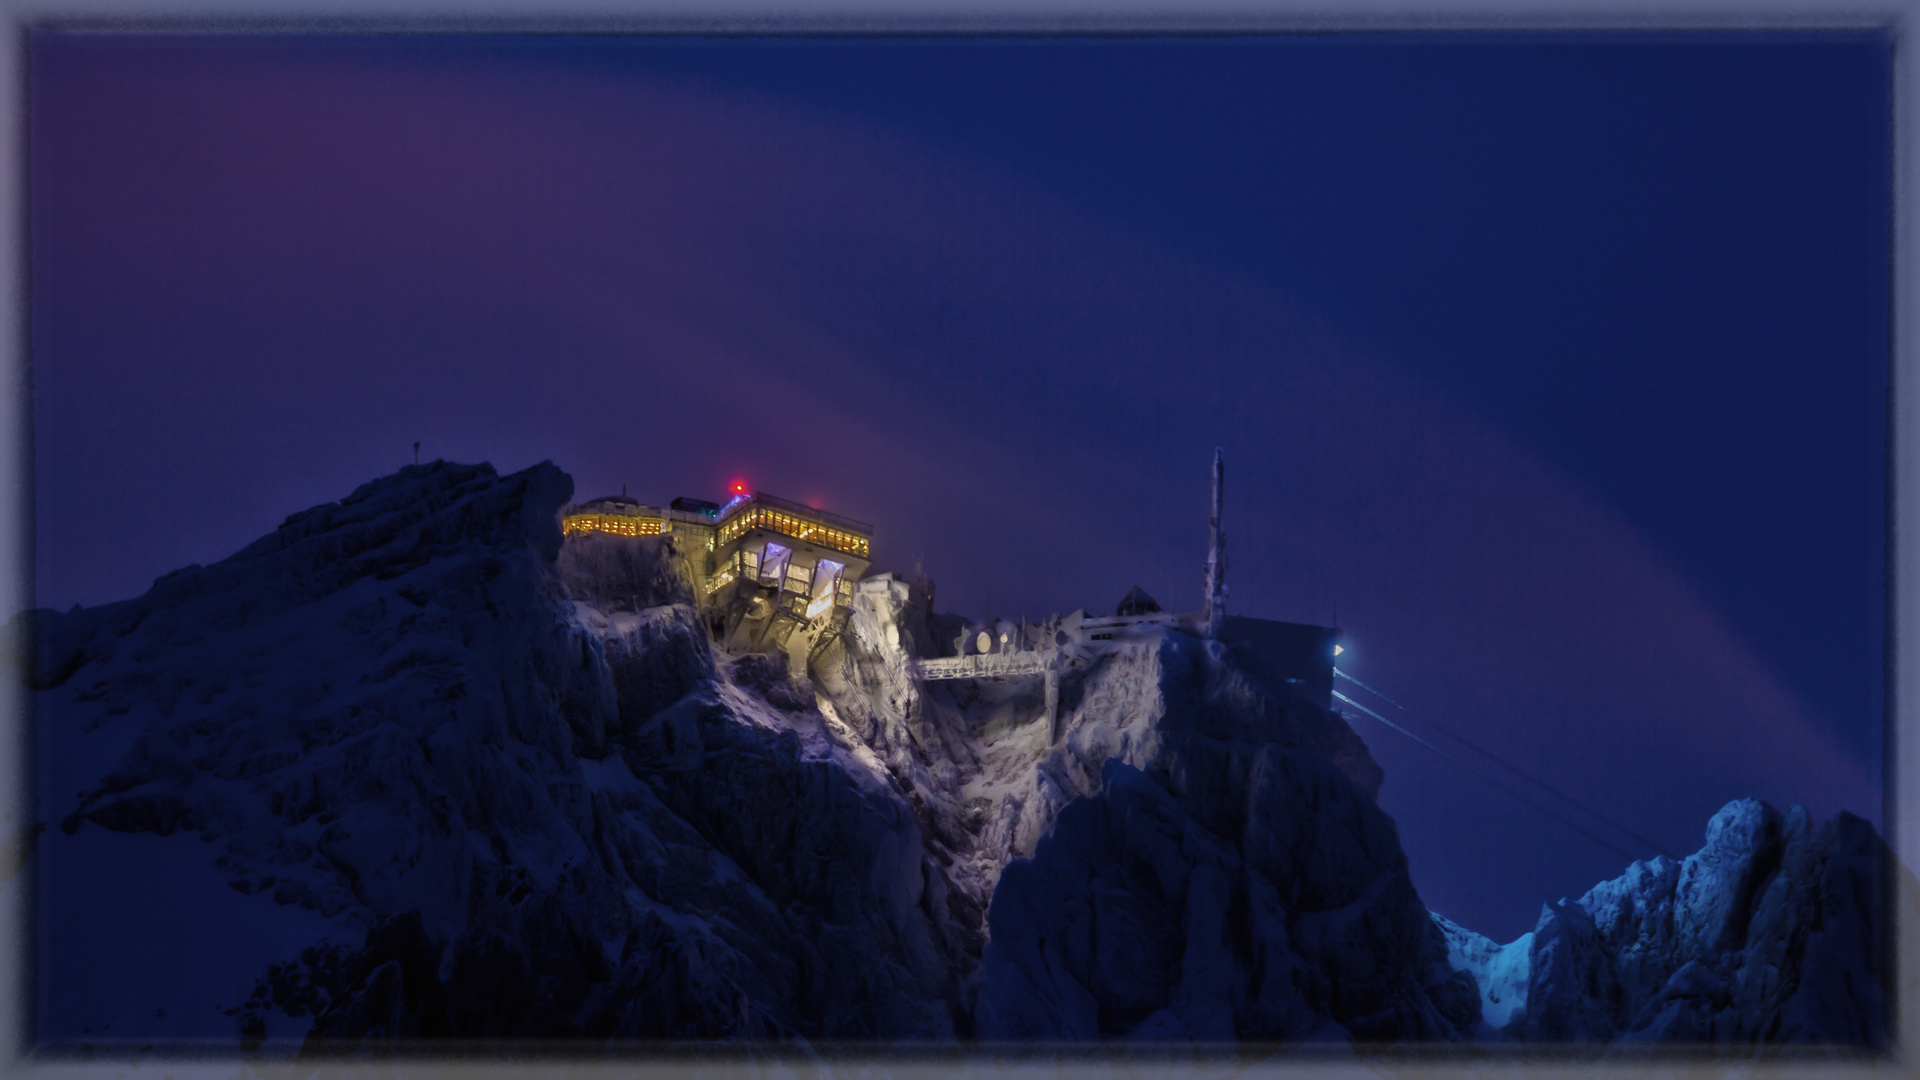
797, 520
621, 516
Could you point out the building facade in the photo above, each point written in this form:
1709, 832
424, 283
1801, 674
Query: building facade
774, 575
770, 573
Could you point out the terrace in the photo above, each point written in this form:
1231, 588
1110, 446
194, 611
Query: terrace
797, 520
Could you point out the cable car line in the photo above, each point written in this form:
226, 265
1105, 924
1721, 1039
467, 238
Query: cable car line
1530, 804
1490, 756
1369, 689
1390, 724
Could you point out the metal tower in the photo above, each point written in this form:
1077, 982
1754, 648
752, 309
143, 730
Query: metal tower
1215, 608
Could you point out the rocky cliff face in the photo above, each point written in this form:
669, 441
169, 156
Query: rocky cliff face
1773, 932
411, 767
1205, 849
524, 814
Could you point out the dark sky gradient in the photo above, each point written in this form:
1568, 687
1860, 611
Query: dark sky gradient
1558, 364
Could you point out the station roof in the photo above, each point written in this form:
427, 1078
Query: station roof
611, 500
761, 498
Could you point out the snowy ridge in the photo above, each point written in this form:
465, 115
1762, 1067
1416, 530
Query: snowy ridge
415, 768
1773, 932
1500, 971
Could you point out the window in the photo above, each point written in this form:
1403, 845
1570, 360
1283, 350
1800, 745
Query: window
773, 564
826, 585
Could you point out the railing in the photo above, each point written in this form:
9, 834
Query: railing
690, 518
1094, 638
800, 522
801, 509
990, 665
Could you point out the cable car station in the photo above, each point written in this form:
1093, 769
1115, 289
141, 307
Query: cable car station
774, 575
764, 567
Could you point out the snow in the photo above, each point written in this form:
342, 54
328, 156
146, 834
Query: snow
1116, 926
1500, 971
413, 766
1772, 932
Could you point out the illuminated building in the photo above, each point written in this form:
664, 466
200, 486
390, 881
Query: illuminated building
766, 568
776, 575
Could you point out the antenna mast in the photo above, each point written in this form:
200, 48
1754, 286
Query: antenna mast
1215, 608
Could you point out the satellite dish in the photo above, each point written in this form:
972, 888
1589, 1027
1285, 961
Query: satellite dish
1061, 638
983, 641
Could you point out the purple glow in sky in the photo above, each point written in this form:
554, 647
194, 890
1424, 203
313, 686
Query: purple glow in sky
263, 269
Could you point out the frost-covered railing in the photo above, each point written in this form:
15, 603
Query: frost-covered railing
689, 517
990, 665
761, 498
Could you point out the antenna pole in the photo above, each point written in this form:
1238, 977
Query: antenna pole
1215, 608
416, 453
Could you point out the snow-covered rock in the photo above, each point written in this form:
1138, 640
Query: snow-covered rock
411, 720
1773, 932
414, 766
1500, 971
1216, 876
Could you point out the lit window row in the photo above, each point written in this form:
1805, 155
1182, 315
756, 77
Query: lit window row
618, 526
798, 528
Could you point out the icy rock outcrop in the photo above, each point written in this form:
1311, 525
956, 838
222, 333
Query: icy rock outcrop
615, 574
510, 790
1219, 878
1772, 933
420, 718
988, 774
1500, 971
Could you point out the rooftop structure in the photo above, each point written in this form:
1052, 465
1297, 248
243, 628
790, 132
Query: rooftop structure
770, 572
622, 516
777, 575
782, 569
746, 513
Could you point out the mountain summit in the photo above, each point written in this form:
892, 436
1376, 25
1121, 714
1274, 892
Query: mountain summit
417, 766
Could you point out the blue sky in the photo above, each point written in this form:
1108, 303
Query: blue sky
1558, 364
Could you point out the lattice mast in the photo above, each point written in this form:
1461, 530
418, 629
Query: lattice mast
1215, 608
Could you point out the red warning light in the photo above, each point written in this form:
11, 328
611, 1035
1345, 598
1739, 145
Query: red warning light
738, 487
